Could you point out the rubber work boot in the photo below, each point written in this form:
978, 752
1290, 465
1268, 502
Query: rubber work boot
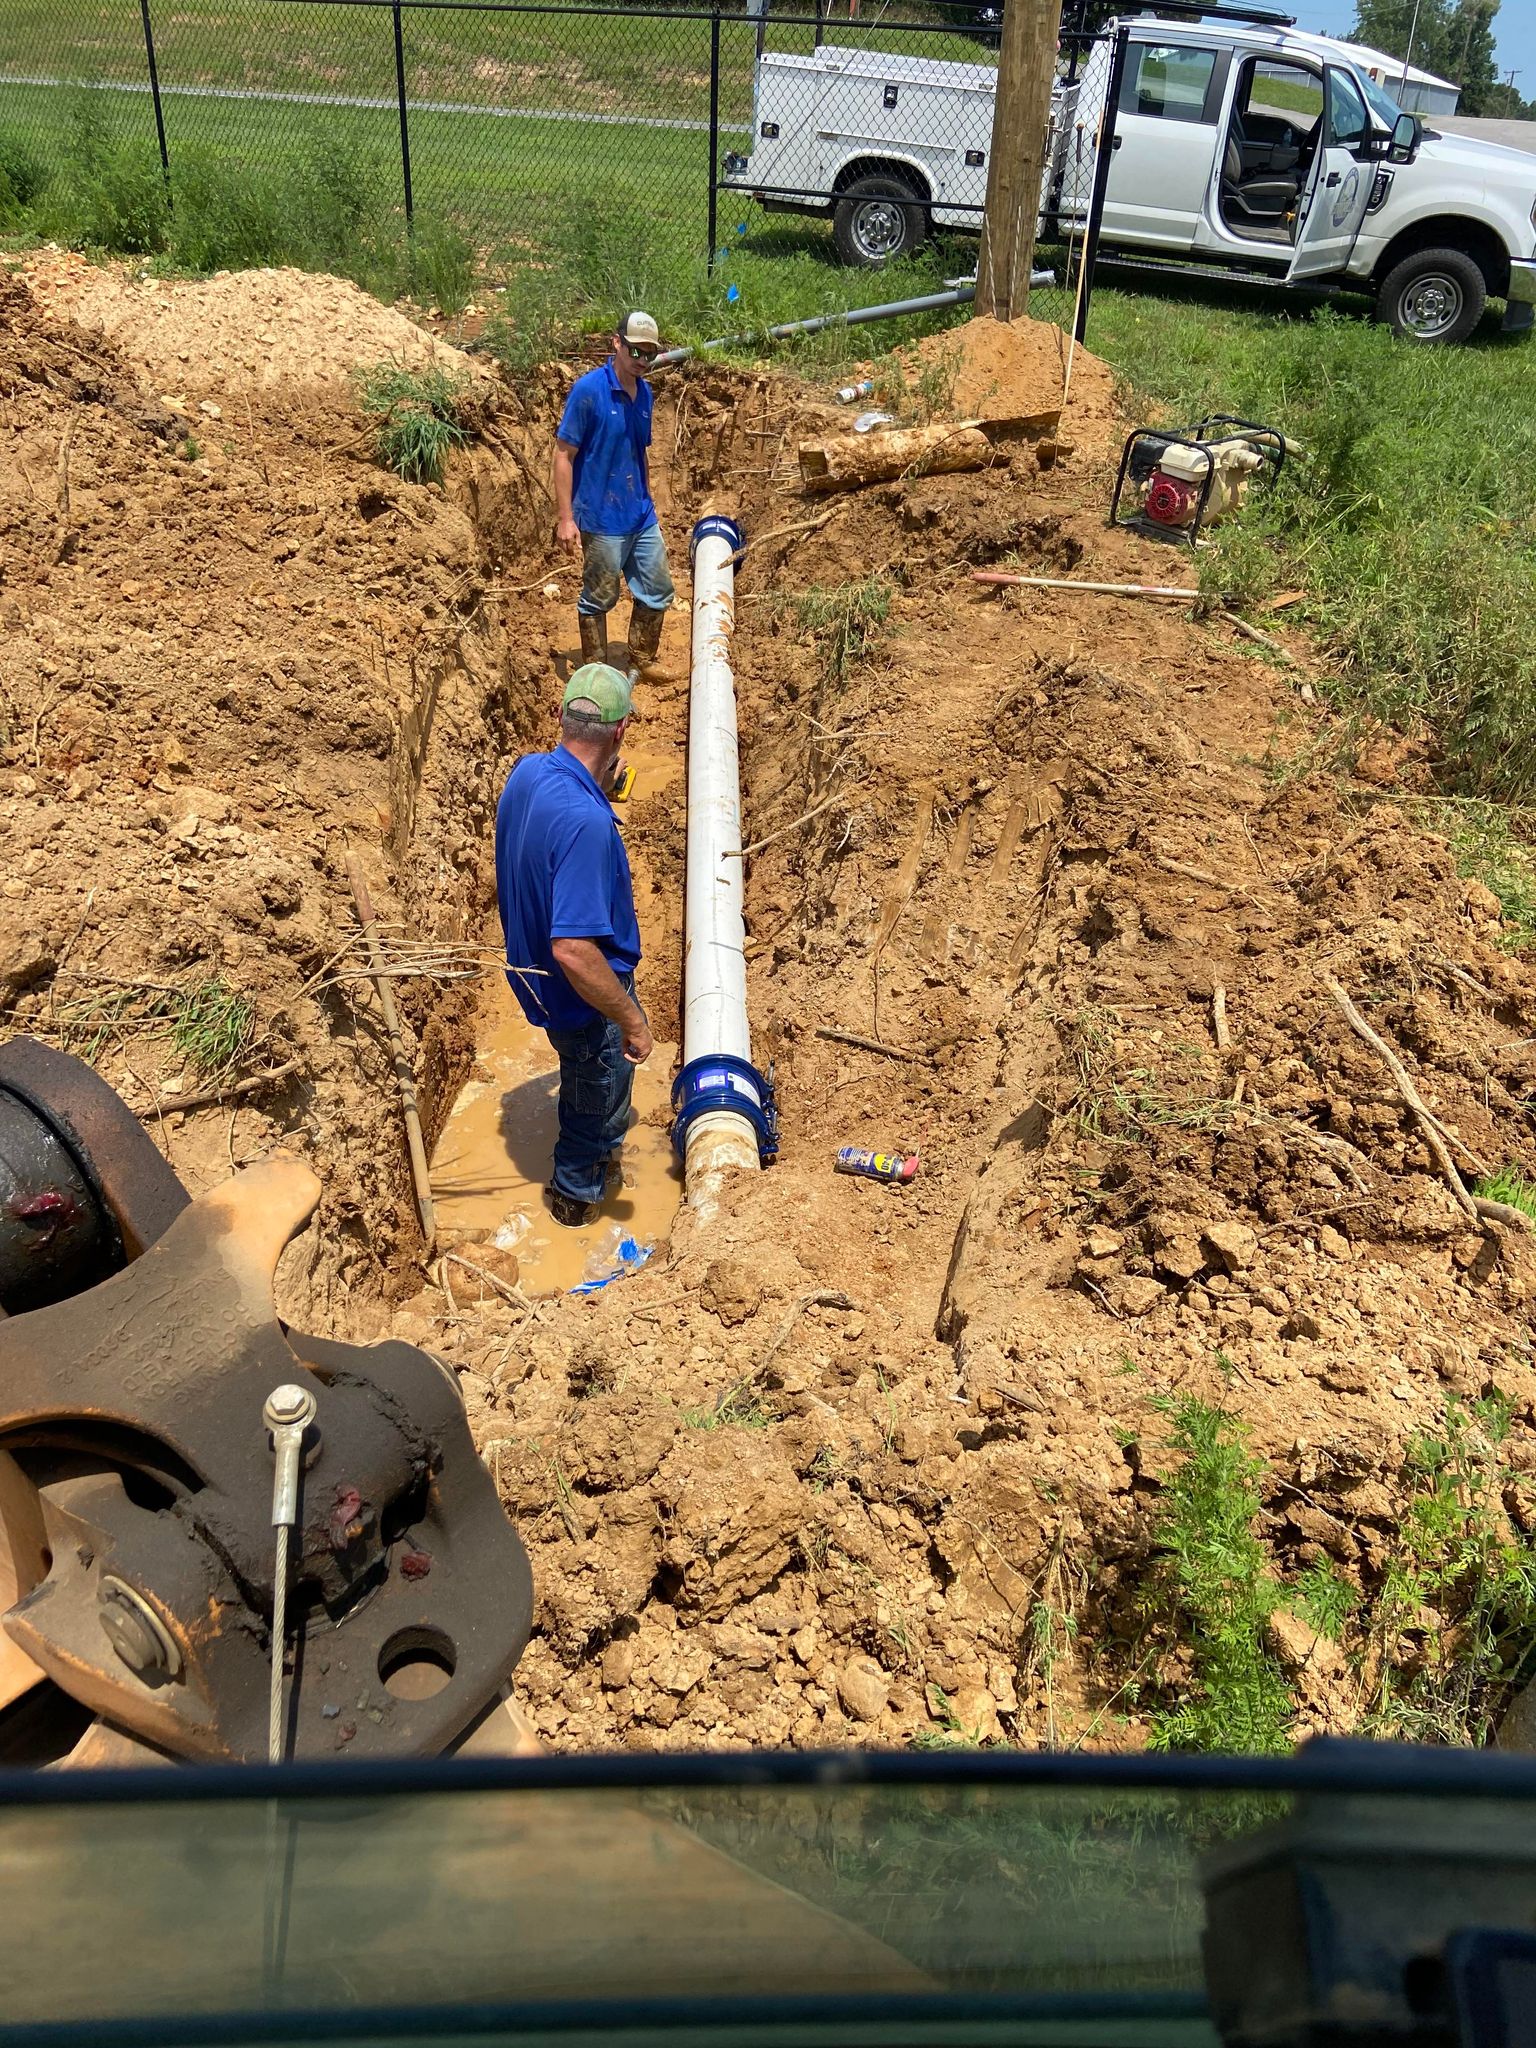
644, 641
566, 1209
594, 635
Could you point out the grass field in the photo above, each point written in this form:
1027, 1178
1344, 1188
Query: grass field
581, 60
563, 154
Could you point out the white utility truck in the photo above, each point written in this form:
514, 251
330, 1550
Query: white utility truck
1254, 150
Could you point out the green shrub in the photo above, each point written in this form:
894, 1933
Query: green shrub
23, 177
1453, 1620
441, 266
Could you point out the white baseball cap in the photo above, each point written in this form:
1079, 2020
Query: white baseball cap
640, 327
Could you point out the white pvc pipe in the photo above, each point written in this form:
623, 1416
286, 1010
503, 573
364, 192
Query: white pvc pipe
714, 934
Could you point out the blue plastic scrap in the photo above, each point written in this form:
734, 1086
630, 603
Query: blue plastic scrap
631, 1257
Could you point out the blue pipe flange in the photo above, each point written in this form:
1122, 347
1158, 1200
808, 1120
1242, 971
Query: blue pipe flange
715, 525
718, 1081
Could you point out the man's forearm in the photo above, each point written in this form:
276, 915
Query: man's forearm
564, 474
582, 963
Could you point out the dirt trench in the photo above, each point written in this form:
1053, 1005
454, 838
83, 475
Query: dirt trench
859, 1464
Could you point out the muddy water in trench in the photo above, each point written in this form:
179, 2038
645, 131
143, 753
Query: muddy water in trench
494, 1157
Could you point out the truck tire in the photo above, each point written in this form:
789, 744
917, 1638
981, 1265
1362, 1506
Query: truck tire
877, 220
1434, 295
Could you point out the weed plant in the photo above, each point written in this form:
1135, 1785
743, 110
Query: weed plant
419, 418
1482, 836
1458, 1602
1217, 1580
846, 620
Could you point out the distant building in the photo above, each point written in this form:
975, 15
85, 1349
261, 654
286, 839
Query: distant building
1418, 92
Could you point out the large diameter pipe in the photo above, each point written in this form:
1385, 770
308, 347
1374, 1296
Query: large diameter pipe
716, 1137
898, 309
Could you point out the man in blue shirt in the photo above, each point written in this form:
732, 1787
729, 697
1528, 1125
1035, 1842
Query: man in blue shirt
603, 496
568, 921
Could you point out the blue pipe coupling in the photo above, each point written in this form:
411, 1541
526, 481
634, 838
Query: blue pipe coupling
715, 525
718, 1080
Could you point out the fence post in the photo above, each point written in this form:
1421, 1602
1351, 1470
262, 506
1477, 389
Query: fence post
714, 133
405, 125
154, 90
1107, 124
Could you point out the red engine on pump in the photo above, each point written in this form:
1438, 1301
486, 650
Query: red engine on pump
1169, 500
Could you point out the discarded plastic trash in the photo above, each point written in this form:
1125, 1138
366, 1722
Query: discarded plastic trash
614, 1255
850, 392
891, 1166
868, 421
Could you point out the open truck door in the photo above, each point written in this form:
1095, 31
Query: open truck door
1339, 190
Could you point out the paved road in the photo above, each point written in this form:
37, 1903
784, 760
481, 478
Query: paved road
1513, 134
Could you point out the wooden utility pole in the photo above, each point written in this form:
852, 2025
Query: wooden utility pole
1025, 71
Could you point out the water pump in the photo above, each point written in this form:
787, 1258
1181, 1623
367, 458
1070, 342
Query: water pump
1179, 483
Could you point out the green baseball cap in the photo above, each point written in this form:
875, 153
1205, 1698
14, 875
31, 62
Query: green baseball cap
606, 688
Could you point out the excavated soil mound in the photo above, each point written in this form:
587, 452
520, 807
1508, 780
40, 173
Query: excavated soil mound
1005, 370
242, 331
852, 1463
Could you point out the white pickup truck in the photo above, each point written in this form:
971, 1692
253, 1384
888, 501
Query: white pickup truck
1260, 151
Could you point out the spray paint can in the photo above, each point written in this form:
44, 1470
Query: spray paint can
891, 1166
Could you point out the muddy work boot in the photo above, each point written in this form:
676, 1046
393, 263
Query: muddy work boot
566, 1209
644, 642
594, 635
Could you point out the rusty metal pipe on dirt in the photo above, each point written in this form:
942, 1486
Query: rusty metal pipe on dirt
725, 1114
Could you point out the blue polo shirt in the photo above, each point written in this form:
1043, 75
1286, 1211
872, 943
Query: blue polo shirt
610, 432
561, 873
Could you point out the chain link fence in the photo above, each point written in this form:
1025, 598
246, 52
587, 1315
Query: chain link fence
579, 149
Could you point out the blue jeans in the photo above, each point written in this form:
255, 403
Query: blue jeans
596, 1082
640, 558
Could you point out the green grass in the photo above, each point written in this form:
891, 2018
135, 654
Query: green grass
1510, 1186
1218, 1581
742, 1408
209, 1022
419, 414
583, 61
1483, 838
1412, 525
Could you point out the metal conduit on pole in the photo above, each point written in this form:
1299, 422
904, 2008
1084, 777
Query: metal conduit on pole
726, 1120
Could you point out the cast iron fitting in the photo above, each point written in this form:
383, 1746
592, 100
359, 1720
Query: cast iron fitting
719, 1081
55, 1236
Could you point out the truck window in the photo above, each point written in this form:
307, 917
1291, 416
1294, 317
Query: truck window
1347, 119
1167, 81
1287, 93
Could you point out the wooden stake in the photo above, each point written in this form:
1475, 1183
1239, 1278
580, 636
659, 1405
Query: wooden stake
1219, 1018
1168, 592
403, 1073
1025, 72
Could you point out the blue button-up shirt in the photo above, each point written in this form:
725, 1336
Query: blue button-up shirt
562, 872
610, 432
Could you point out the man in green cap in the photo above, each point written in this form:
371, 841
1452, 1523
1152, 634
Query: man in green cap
572, 940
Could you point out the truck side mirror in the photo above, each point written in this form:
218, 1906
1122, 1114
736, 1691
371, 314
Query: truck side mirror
1404, 145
